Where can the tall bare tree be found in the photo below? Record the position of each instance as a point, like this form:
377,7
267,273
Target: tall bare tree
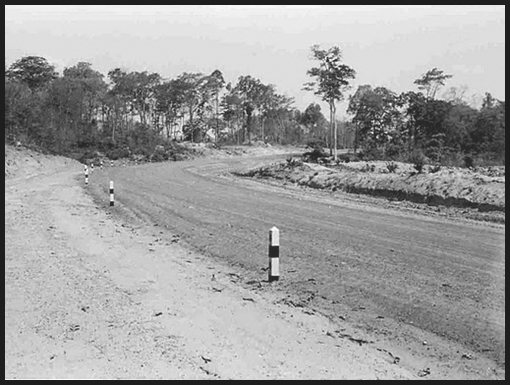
218,82
331,80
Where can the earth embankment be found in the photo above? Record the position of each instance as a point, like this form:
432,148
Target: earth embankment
482,189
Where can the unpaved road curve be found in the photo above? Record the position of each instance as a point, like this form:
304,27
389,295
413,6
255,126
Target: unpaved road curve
429,290
88,296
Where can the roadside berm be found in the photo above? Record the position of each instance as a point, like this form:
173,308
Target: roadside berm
480,188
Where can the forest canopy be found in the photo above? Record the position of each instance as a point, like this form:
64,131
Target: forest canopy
82,110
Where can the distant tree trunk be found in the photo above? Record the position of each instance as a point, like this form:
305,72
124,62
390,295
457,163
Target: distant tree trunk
248,126
102,115
191,122
333,108
167,126
263,139
355,137
330,134
113,130
217,119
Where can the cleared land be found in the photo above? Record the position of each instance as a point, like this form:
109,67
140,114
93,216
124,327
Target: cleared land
478,192
404,277
424,293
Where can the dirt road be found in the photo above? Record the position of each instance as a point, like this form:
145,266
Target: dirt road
89,296
428,290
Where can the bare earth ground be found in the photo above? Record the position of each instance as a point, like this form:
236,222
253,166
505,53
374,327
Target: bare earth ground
86,298
477,194
82,301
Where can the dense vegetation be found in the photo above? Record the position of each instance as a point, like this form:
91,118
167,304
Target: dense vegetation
126,113
416,127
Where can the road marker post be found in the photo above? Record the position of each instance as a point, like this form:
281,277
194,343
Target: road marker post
111,163
274,254
91,168
111,193
86,175
101,164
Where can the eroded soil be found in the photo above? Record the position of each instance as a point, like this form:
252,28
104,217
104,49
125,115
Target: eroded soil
471,193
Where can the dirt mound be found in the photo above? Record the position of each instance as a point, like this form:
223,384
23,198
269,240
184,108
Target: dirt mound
21,162
483,189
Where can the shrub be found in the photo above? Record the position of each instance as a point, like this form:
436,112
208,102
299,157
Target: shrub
144,152
418,166
158,157
417,159
393,151
315,144
118,153
291,162
368,167
314,155
346,158
468,161
87,156
391,166
434,153
107,144
176,151
452,159
372,153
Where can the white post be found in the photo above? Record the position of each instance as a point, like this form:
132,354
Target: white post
274,254
111,163
86,175
91,168
111,193
101,164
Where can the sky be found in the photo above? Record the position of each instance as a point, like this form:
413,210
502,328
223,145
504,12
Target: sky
387,46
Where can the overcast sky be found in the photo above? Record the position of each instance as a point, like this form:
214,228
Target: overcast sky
388,46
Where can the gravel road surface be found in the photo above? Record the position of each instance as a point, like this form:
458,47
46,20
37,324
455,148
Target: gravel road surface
89,296
171,282
429,290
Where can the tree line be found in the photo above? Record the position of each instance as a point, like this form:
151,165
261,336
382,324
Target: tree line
388,125
411,126
82,108
134,111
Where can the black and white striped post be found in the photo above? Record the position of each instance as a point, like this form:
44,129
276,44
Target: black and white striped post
91,168
111,163
111,193
274,254
101,164
86,175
